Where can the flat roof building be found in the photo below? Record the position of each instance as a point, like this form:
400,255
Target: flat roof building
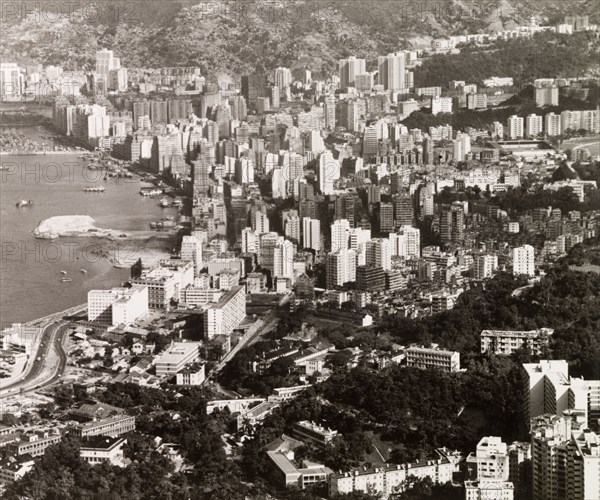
510,341
433,359
176,357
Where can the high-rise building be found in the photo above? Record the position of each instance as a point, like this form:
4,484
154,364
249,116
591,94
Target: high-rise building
565,458
371,142
329,172
329,111
428,158
534,125
158,112
370,278
261,222
546,96
452,223
283,80
392,71
515,127
441,105
406,242
386,217
524,260
311,233
552,124
484,266
191,249
348,69
378,253
404,209
340,234
340,268
254,86
291,225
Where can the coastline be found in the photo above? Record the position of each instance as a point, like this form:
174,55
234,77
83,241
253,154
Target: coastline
120,248
42,153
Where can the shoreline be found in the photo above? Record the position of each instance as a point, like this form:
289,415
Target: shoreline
43,153
119,247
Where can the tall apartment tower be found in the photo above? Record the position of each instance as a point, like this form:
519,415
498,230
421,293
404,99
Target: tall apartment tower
565,458
348,69
524,260
452,220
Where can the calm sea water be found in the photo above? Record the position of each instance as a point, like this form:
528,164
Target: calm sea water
30,268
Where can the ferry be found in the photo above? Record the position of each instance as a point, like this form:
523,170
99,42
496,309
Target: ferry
95,189
24,203
151,192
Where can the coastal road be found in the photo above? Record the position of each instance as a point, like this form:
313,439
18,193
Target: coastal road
47,364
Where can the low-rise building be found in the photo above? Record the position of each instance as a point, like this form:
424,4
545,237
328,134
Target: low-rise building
14,468
433,359
489,490
176,357
510,341
289,474
390,479
191,375
310,432
101,449
111,426
34,443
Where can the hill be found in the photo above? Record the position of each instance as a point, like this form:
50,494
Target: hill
235,37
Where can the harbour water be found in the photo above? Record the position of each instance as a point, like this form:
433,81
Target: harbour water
30,268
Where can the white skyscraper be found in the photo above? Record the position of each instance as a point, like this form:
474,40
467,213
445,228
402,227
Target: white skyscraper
278,183
524,260
250,241
552,124
378,253
406,243
484,266
392,71
515,127
191,249
329,172
311,233
340,234
261,222
348,69
291,225
534,125
283,259
340,268
359,238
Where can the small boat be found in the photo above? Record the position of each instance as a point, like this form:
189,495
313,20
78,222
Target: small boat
66,280
83,271
24,203
164,203
63,272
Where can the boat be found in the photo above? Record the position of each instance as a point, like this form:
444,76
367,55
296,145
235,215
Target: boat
83,271
66,280
63,272
94,189
24,203
164,203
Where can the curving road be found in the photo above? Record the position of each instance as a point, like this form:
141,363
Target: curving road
47,366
